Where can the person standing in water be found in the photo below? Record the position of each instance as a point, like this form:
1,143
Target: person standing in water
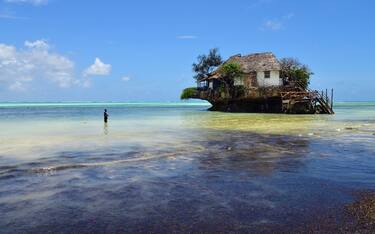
105,116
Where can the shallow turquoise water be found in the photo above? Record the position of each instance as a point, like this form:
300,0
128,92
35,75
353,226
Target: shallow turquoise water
175,166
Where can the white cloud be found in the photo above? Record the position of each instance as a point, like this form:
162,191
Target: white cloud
38,44
187,37
20,67
273,24
33,2
277,24
125,78
98,69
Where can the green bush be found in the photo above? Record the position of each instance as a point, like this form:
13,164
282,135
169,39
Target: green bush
231,70
302,76
188,93
292,70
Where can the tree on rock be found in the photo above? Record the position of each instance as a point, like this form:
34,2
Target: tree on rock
207,63
293,70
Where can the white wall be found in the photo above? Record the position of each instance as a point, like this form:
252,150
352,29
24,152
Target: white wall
274,80
239,81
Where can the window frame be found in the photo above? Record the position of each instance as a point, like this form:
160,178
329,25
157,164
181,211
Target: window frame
239,81
267,74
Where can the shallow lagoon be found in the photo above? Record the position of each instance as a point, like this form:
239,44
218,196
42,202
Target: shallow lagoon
176,167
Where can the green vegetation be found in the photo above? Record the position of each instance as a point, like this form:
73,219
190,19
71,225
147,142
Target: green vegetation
188,93
294,71
302,76
207,63
228,73
231,70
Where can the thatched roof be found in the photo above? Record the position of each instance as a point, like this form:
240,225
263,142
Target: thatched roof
253,62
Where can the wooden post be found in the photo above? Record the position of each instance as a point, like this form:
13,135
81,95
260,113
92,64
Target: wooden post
331,98
327,96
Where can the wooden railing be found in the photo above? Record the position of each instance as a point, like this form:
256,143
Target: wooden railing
322,98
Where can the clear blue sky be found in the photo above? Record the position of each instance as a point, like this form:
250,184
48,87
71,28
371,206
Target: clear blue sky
144,49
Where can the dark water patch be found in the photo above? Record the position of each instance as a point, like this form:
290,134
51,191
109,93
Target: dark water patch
12,172
215,181
8,176
258,154
72,154
6,168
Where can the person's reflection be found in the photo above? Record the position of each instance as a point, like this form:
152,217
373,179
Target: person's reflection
105,128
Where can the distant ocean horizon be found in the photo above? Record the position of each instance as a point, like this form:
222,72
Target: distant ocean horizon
100,103
150,103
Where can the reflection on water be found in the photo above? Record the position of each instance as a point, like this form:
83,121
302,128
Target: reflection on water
105,128
180,168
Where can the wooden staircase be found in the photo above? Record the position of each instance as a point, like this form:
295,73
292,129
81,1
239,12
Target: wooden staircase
311,100
324,102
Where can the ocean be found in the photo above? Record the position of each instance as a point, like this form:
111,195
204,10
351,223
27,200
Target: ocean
176,167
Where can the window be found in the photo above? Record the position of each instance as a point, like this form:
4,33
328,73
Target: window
203,85
238,81
267,74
